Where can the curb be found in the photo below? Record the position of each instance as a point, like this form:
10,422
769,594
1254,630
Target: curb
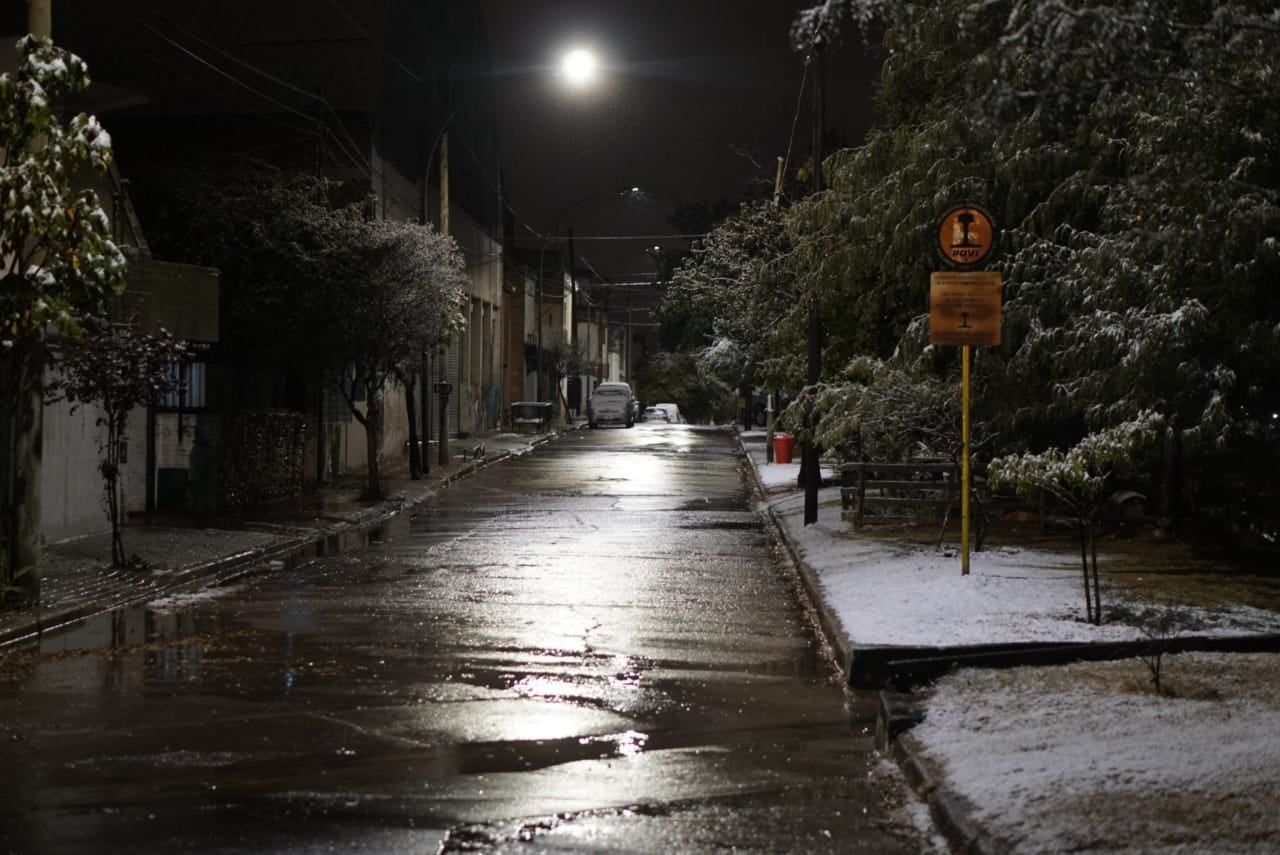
952,815
834,635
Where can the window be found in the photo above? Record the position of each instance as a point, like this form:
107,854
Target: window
193,396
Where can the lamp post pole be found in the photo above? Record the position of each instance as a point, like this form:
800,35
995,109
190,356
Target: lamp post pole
809,466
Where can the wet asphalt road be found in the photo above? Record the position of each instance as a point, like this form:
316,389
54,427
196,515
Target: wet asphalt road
588,648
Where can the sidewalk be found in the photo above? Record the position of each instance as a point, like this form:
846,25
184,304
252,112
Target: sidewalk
1052,737
77,580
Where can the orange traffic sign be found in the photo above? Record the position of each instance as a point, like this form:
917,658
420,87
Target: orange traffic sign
964,308
966,235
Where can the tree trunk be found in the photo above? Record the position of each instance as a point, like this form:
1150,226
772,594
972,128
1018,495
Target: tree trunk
1171,488
1097,585
415,451
373,487
111,483
113,509
1084,567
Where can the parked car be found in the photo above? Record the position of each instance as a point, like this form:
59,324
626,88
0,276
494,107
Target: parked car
611,403
673,413
655,414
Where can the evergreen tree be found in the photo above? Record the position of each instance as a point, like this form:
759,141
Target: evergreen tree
1129,148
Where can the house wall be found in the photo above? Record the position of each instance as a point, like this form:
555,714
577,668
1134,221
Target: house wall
70,484
477,383
513,353
395,422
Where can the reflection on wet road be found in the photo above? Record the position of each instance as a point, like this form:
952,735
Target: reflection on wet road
585,648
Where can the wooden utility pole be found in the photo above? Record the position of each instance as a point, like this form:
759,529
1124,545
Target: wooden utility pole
771,399
809,467
443,387
26,421
40,17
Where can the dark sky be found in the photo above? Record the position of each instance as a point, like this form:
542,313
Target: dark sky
697,100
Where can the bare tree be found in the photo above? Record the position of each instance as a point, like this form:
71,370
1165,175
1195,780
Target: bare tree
119,368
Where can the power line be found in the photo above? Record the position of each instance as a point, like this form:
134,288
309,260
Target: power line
795,121
635,237
394,59
354,152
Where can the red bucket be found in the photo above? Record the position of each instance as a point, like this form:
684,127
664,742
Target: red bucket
782,445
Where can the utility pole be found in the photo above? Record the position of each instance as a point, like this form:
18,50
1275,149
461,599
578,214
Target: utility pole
771,397
537,323
809,467
40,17
442,388
25,424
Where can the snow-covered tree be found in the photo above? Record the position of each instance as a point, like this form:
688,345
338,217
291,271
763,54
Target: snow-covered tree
282,244
118,368
57,262
730,293
1130,150
310,283
407,300
1078,478
883,411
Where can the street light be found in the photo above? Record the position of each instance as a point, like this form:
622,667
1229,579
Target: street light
578,67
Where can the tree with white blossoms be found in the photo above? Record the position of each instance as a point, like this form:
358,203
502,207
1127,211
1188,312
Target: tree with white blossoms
1078,478
58,265
118,368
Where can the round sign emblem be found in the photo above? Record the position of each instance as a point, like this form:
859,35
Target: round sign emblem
966,235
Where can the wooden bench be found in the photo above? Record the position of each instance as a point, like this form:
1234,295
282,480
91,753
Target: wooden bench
901,491
897,490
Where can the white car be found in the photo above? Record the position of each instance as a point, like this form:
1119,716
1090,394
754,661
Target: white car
655,414
672,411
611,403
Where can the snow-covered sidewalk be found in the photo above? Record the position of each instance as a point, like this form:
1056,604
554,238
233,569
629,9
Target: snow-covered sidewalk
1078,757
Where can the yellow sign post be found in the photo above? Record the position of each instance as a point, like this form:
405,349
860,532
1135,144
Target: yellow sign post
964,310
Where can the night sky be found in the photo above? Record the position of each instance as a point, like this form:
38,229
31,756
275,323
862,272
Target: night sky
697,100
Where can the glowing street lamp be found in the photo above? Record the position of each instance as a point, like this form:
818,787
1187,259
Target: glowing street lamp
579,67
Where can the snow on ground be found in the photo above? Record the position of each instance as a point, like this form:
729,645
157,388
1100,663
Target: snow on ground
1085,757
1067,758
887,593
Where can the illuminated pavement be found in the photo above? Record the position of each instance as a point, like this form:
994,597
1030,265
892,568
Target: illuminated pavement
585,648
